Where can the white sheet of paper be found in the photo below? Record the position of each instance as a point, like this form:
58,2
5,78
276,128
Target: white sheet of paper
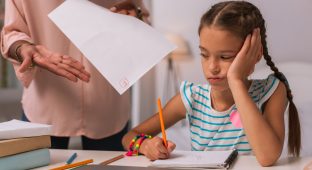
121,47
196,159
16,129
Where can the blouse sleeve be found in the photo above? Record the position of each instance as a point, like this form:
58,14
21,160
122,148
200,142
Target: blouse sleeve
15,28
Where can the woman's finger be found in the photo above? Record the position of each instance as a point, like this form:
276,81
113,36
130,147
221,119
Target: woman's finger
50,66
74,71
72,62
75,65
61,65
61,72
26,64
132,13
123,11
124,5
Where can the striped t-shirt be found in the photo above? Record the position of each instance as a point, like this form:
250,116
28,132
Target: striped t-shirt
213,130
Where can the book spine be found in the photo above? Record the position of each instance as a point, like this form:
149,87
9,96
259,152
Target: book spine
15,146
26,160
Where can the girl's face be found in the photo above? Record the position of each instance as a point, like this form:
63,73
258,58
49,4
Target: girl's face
218,49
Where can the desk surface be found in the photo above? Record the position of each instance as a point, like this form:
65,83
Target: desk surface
59,157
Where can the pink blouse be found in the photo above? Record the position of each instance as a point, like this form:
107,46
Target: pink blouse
93,109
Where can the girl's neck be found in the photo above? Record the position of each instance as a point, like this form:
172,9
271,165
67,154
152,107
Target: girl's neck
223,100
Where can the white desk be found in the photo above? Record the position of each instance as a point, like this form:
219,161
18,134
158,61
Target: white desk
59,157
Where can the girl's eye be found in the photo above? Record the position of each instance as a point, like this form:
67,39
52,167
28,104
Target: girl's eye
204,55
226,57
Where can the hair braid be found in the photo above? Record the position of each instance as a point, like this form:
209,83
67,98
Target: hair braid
294,139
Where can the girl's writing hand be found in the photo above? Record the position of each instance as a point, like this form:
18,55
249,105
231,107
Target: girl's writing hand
155,149
58,64
246,59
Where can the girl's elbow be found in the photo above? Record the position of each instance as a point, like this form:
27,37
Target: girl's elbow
266,162
268,159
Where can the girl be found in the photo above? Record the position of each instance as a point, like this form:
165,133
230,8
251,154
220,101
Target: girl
230,111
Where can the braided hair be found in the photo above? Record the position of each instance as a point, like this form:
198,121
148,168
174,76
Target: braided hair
240,18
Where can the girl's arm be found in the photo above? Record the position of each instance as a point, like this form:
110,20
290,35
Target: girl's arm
154,148
265,131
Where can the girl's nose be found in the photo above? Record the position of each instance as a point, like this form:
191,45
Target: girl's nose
214,66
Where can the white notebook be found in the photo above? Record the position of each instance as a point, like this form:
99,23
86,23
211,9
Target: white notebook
198,159
16,129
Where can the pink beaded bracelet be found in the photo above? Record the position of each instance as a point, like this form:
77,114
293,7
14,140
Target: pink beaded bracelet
134,147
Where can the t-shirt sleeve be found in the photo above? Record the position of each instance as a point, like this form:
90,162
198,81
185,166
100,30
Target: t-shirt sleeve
186,95
270,86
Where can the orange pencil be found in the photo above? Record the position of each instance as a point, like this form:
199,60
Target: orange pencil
76,164
162,123
116,158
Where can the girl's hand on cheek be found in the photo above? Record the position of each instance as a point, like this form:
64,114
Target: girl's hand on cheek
246,59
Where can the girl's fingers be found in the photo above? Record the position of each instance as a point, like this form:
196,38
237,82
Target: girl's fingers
157,154
246,46
163,156
171,146
255,43
158,149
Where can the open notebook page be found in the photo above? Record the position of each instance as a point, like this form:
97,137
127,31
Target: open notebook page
199,159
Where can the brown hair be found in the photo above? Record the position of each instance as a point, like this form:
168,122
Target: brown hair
240,18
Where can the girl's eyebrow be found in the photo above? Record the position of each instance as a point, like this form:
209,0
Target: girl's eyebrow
227,51
202,48
222,51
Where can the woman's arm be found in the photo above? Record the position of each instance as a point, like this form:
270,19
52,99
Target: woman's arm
172,112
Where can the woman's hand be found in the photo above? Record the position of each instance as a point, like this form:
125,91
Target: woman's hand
155,149
126,7
58,64
246,59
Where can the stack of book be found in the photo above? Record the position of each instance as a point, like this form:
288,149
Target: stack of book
24,145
